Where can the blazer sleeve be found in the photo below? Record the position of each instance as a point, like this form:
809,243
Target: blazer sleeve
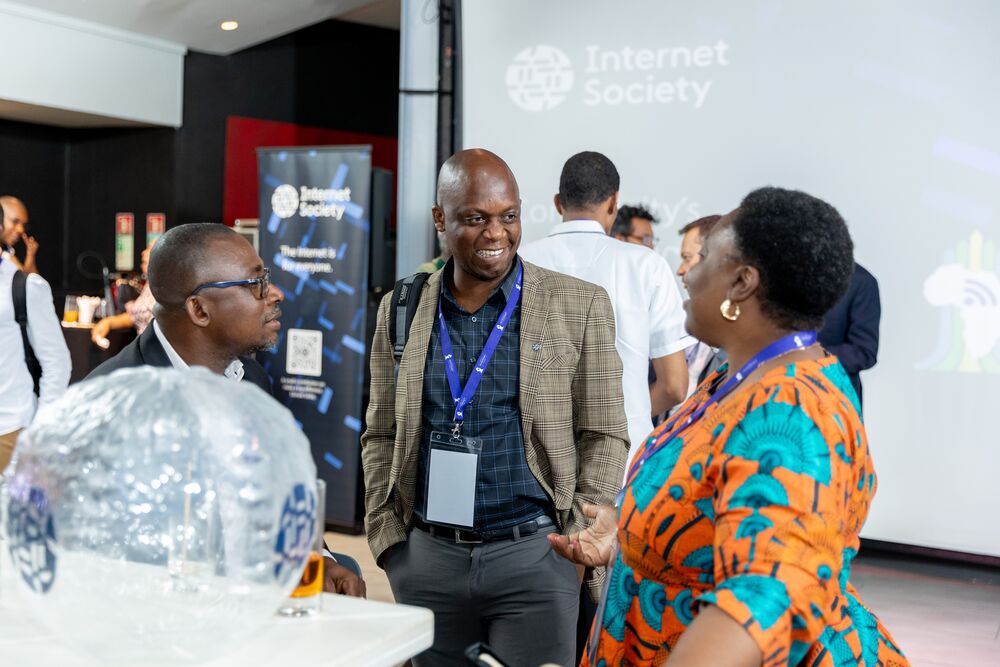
382,525
859,351
599,412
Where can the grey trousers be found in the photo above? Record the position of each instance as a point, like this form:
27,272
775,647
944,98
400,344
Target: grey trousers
518,596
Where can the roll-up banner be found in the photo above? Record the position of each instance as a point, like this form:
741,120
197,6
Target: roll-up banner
314,234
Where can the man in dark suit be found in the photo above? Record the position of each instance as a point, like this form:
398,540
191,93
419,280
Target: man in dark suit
850,329
215,306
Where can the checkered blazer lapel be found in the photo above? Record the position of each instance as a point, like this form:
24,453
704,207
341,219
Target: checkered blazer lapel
534,315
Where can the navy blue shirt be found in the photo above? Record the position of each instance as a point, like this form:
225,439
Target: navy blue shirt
507,492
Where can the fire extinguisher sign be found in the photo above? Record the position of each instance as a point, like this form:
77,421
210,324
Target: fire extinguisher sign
156,224
124,242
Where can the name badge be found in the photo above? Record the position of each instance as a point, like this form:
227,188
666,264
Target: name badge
452,470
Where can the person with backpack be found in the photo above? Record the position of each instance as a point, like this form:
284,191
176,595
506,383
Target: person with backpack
15,230
499,420
34,359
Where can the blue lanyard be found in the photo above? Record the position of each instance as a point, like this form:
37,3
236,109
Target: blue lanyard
798,340
463,396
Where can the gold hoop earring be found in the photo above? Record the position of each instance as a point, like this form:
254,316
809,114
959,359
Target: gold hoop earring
729,310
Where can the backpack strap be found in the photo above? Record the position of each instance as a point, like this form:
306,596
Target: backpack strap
405,299
19,287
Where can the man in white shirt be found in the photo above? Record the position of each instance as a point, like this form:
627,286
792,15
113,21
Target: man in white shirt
702,359
15,223
17,388
649,316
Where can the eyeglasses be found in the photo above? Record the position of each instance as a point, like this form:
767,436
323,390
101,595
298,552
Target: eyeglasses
258,286
644,240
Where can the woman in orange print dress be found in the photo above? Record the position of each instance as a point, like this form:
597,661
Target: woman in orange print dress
733,539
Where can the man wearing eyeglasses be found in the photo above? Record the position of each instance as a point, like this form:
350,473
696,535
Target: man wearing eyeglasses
215,306
634,224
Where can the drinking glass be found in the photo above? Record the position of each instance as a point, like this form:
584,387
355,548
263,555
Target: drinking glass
71,311
194,539
307,598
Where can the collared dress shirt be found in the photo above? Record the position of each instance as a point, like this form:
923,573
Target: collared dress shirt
234,371
649,312
17,395
507,492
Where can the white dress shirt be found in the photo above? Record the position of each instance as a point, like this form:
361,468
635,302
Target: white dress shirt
649,313
698,358
17,395
234,371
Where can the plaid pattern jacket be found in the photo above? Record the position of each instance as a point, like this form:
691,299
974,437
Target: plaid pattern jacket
572,413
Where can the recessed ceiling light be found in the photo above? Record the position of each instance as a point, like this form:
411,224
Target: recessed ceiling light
229,25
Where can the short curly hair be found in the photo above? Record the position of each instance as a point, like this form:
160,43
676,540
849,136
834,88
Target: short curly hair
623,221
587,179
802,249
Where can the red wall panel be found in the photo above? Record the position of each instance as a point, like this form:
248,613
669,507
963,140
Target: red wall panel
245,135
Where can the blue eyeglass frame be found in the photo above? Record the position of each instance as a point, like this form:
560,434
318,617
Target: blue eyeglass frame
264,281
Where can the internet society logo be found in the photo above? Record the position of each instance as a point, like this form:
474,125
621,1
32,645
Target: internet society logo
539,78
285,201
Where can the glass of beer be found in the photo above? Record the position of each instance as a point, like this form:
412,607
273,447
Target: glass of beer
71,311
307,598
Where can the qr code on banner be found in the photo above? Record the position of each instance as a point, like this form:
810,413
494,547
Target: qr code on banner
305,352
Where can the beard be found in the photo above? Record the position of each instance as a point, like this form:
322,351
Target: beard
268,340
262,346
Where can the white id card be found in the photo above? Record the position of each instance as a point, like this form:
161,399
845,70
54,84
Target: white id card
451,480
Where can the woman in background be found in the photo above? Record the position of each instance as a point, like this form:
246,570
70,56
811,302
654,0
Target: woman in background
733,539
138,313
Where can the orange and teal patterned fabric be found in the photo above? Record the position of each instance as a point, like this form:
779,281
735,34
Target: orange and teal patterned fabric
756,509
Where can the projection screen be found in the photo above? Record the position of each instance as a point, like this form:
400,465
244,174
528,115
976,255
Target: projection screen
887,110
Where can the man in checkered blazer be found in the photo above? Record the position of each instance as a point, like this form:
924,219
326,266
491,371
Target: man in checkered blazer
548,416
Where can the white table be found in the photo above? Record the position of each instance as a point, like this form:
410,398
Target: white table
349,631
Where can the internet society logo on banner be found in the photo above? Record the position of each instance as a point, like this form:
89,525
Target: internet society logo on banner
539,78
308,202
285,201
